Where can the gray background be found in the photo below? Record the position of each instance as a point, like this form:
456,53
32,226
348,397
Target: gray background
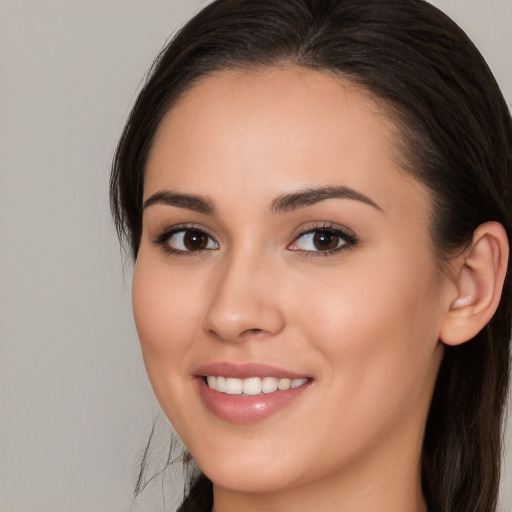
76,406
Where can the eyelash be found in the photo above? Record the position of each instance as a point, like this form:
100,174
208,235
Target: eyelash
162,240
349,240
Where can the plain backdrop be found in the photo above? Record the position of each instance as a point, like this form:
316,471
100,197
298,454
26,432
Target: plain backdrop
76,406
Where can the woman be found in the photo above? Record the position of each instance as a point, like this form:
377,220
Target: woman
317,197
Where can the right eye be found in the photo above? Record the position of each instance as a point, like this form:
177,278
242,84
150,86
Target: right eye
186,240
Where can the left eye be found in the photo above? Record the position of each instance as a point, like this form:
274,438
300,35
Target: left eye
186,240
320,240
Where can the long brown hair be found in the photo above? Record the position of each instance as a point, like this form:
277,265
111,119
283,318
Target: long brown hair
456,138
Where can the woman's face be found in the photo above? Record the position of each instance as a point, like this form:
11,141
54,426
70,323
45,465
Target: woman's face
283,244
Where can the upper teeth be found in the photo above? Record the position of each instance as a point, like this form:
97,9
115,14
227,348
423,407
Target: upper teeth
252,385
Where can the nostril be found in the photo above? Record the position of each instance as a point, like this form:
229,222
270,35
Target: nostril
252,332
247,333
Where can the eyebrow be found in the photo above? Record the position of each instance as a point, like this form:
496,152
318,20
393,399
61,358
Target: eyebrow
308,197
282,204
195,203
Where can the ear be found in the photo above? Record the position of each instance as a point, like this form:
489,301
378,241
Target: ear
478,275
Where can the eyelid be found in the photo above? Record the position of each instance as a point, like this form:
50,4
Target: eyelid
162,237
349,237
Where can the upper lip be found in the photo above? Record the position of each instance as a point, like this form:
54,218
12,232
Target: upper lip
246,370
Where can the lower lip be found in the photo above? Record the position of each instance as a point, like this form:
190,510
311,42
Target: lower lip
247,409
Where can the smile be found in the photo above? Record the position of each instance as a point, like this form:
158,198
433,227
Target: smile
253,385
249,392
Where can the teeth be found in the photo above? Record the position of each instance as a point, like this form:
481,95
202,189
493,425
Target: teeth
221,384
269,385
234,386
253,385
284,384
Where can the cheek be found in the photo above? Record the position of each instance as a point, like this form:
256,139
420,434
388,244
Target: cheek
377,324
378,336
165,301
166,314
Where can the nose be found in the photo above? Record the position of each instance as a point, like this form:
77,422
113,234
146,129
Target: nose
244,301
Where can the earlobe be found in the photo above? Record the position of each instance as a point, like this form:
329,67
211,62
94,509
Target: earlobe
479,274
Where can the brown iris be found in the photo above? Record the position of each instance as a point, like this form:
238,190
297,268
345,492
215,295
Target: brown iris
325,240
195,240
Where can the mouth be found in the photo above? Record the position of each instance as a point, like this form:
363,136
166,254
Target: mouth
252,386
249,392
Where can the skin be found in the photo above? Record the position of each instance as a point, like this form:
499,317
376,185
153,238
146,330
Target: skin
363,323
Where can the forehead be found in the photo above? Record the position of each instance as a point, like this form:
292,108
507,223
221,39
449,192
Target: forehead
283,127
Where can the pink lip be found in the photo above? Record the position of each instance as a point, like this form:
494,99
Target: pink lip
246,370
246,409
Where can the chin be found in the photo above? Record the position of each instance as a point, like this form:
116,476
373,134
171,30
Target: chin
251,481
247,474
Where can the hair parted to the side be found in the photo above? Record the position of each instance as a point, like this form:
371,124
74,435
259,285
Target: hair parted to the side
456,138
